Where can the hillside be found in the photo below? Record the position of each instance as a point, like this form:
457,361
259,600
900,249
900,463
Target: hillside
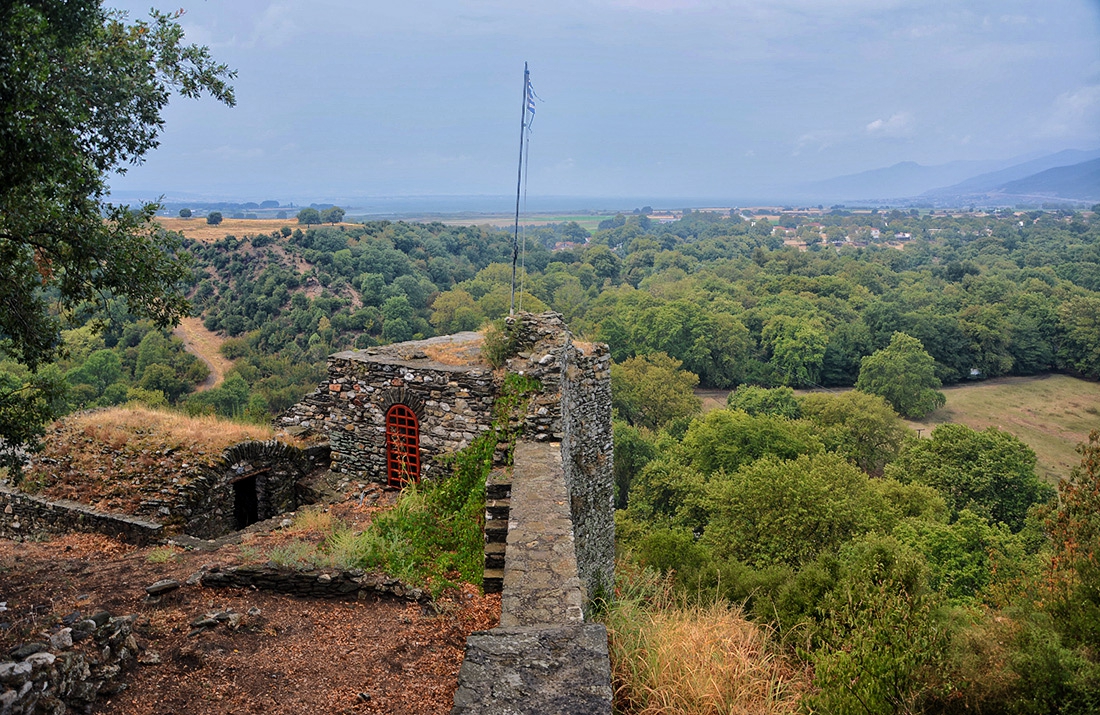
1079,181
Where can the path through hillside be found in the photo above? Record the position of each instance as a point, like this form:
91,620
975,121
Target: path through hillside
204,345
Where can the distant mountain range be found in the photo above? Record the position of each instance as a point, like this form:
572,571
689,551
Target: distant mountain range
1070,175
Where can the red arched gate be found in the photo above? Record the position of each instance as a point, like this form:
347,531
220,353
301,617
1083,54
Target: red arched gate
402,446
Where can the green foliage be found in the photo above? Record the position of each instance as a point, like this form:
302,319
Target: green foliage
861,427
309,217
1079,321
651,390
788,511
989,472
634,449
501,342
882,645
727,440
1075,565
332,215
778,401
904,374
214,218
82,94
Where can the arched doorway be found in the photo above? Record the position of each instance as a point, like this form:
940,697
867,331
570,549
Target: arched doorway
402,446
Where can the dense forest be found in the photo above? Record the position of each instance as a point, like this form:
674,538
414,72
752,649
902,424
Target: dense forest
730,298
934,575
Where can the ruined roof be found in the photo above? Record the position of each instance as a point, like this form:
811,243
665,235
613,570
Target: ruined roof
457,352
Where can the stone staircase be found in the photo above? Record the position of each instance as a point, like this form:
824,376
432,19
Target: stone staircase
498,498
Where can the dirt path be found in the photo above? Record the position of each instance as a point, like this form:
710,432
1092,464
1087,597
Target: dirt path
204,345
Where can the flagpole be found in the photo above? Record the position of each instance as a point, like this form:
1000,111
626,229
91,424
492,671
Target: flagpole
519,179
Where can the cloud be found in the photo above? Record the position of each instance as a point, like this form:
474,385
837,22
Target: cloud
818,139
275,26
1075,113
899,125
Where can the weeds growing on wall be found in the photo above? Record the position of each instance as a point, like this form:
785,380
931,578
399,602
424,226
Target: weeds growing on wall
501,342
433,537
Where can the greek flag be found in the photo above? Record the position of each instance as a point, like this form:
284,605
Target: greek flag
531,97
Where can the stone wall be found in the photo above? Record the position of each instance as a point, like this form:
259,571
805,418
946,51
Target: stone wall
574,409
207,502
54,678
543,658
24,516
313,583
453,403
588,460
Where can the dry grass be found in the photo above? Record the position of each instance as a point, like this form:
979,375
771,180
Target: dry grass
206,346
675,659
118,426
1052,414
457,353
197,229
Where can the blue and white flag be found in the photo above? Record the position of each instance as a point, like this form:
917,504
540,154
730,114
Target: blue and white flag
531,97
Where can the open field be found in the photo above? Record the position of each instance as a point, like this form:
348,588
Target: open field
1051,413
198,230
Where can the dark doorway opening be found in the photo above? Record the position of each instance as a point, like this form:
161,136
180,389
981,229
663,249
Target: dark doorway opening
246,503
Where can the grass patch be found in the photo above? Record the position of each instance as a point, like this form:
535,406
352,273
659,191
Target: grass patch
163,555
118,426
1052,414
672,657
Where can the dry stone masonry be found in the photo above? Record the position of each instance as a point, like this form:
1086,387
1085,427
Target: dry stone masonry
550,531
452,402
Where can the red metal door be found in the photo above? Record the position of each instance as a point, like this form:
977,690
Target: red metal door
402,446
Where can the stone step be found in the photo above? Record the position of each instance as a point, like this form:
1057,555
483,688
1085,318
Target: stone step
493,581
494,561
495,548
498,491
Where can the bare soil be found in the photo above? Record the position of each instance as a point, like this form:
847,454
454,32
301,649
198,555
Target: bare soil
286,656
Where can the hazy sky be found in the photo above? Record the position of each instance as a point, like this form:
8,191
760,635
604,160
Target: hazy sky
670,98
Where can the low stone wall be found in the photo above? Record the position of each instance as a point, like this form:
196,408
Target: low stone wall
320,583
53,677
24,516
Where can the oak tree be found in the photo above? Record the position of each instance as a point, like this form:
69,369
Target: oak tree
81,98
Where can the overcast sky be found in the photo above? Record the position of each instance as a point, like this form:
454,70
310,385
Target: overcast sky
663,98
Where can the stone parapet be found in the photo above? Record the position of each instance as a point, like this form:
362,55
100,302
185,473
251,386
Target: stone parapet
546,670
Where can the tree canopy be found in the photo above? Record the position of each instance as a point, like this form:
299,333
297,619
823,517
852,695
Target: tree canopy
904,374
81,97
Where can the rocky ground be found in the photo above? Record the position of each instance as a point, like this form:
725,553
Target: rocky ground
259,652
